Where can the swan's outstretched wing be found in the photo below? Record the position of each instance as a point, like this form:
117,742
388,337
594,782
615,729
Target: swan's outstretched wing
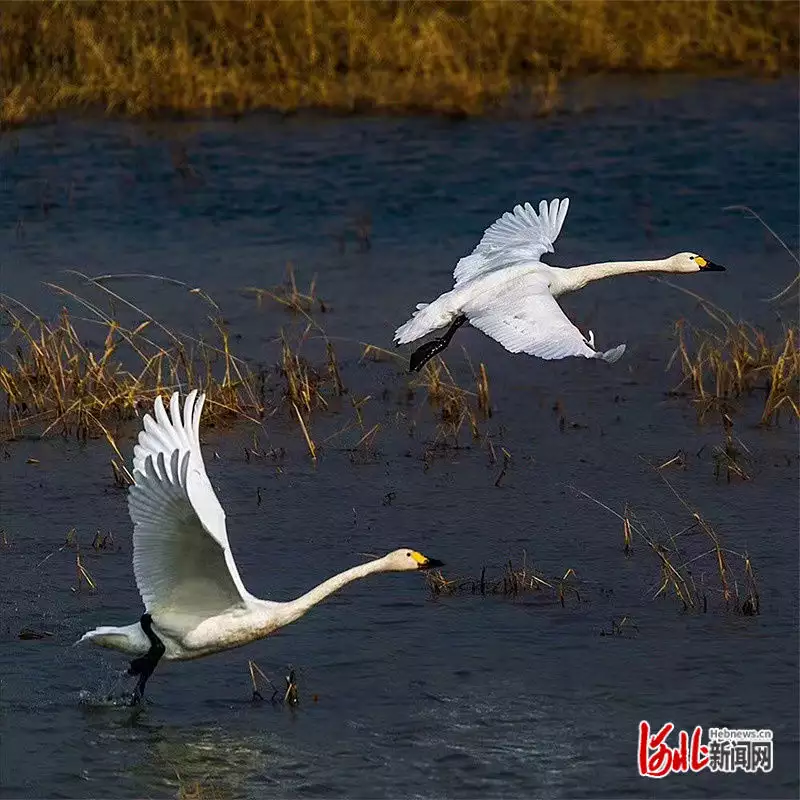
525,318
182,561
521,235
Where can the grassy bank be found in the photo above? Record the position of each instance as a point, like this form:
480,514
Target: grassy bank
148,57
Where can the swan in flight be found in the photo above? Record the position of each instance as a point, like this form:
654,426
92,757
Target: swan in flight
195,601
503,289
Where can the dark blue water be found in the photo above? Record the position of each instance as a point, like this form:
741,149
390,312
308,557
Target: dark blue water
453,697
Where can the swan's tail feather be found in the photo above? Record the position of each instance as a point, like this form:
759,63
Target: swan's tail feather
614,354
427,318
127,638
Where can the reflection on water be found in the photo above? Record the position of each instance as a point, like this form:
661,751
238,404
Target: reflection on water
468,696
233,763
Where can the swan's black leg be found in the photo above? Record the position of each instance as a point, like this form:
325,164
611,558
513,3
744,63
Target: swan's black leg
144,665
422,355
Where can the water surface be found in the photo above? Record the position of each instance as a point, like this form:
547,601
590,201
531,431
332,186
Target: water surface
467,696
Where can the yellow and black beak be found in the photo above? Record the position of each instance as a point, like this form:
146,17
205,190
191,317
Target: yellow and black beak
708,266
426,563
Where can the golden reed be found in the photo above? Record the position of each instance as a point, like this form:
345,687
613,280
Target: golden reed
446,57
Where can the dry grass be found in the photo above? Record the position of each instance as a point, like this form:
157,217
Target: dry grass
732,456
372,352
455,406
84,375
694,566
309,387
312,384
484,395
258,678
304,382
289,297
83,579
103,360
483,392
732,359
147,57
357,437
515,581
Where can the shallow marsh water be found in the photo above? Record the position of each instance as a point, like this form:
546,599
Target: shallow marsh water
415,697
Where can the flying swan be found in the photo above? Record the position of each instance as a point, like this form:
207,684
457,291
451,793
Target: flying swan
503,289
195,601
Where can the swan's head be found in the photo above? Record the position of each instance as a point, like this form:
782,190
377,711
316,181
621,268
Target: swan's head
408,560
692,262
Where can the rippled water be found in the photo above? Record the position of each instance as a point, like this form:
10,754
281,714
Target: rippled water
402,695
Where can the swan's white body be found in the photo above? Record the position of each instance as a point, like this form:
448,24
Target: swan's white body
182,560
508,293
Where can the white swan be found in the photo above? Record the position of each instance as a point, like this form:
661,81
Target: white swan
503,289
195,601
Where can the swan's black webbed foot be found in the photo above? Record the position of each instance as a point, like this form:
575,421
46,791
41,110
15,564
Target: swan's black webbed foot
146,664
422,355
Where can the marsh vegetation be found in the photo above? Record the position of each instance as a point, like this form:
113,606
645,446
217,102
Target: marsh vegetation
144,58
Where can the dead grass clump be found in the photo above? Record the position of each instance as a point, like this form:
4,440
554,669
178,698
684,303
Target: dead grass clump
82,376
358,436
303,381
483,394
310,387
484,397
371,352
492,453
506,463
732,456
735,359
289,297
458,58
694,566
122,476
364,450
334,373
259,678
83,580
454,405
513,581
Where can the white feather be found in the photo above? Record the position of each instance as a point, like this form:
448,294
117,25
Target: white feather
525,318
182,560
128,638
521,235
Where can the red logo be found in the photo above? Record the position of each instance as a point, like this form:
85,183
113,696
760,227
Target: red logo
658,759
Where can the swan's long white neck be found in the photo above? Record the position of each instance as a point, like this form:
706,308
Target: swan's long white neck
295,609
578,277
